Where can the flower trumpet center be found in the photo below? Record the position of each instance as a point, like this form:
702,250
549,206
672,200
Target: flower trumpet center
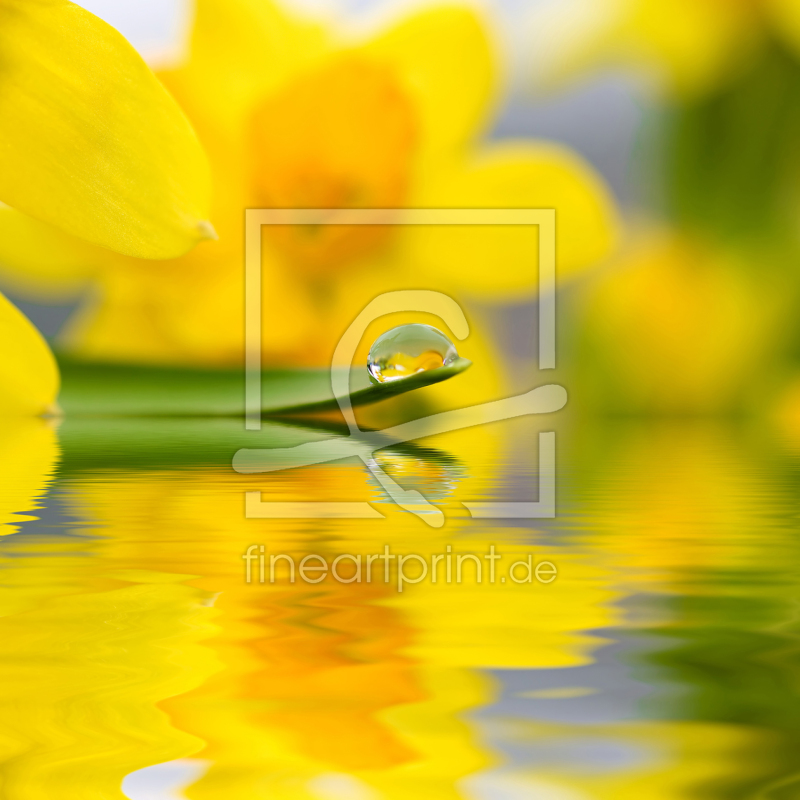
340,137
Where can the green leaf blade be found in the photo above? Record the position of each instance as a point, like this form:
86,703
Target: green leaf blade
121,390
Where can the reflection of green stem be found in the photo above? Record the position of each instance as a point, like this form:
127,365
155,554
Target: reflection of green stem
541,400
734,656
409,500
175,442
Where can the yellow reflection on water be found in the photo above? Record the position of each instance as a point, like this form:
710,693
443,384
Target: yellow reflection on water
28,456
83,668
130,636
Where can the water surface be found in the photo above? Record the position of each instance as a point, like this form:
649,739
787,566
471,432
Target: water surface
137,660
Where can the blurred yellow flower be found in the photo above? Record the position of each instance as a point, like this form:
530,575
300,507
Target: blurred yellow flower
91,143
678,326
293,115
687,46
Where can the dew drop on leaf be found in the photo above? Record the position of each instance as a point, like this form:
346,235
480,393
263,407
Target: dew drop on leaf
408,349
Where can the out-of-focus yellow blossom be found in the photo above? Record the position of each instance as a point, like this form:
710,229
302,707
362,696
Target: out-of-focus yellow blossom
677,327
786,411
688,46
29,378
295,116
91,144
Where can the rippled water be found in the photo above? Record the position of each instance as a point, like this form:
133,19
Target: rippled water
138,661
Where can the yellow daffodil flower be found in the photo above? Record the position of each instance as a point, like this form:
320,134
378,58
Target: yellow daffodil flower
90,142
687,46
94,152
293,115
679,326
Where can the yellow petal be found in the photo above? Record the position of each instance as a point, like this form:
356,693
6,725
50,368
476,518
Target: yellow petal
496,260
443,56
89,140
239,51
38,259
29,379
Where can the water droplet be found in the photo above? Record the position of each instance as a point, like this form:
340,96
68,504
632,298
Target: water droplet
408,349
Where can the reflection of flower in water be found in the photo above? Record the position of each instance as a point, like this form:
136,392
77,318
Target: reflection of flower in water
298,689
670,760
28,457
342,679
324,690
435,475
673,502
84,662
